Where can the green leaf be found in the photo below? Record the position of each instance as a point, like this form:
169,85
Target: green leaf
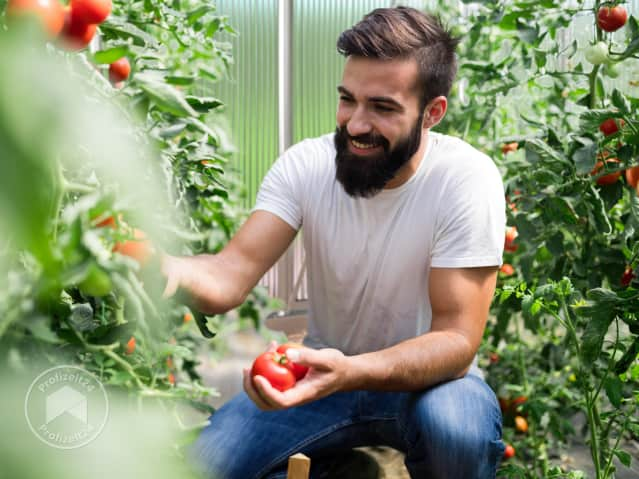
203,104
593,336
584,158
623,456
620,102
613,387
110,55
179,80
165,96
628,358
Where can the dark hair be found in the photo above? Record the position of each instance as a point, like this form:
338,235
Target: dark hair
404,33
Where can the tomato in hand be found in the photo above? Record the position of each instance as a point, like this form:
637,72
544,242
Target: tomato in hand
298,370
91,11
610,19
271,365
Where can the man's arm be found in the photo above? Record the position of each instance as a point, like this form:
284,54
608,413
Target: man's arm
460,300
220,282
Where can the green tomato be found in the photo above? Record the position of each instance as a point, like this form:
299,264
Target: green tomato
597,53
96,283
611,70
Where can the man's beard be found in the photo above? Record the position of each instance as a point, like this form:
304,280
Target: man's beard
366,176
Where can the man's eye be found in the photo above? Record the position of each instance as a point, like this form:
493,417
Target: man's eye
383,108
346,99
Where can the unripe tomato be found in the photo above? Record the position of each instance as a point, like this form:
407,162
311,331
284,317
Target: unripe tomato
606,179
509,451
119,70
610,19
271,366
139,248
50,13
521,424
298,370
76,34
597,53
91,11
96,282
632,176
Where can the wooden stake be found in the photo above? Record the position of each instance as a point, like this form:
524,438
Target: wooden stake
299,466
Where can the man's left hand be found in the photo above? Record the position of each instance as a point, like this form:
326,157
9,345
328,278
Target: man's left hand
328,373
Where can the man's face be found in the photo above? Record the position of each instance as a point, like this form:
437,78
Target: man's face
379,124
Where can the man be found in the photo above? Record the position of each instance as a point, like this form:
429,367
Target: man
403,232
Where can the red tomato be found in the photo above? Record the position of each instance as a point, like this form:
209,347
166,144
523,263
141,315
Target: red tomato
509,451
271,366
171,379
91,11
130,345
50,13
504,404
509,147
610,126
606,179
632,176
108,222
76,34
627,277
119,70
610,19
507,269
521,424
188,317
518,401
140,248
494,358
298,370
509,242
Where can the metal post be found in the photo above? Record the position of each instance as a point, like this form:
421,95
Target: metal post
285,124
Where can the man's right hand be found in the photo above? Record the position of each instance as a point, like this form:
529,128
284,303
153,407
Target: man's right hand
217,283
196,278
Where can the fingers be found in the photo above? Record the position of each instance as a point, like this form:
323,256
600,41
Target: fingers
252,392
172,281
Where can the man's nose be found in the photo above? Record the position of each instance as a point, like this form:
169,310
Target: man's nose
358,123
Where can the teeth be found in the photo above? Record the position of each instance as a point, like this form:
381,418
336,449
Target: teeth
363,146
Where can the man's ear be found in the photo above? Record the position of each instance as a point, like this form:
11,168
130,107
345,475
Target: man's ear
435,111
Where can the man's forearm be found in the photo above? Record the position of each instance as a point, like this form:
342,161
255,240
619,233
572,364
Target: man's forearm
412,365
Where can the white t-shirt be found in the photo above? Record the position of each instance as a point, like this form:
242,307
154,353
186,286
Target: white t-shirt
369,259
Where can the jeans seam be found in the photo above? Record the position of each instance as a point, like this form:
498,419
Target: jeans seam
300,445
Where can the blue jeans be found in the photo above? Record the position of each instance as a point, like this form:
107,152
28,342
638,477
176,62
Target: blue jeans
452,430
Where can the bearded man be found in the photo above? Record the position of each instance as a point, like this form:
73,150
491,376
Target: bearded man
403,232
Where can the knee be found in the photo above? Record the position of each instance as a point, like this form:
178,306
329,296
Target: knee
462,414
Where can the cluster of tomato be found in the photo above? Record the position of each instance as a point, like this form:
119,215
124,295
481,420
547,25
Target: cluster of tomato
74,25
278,369
609,19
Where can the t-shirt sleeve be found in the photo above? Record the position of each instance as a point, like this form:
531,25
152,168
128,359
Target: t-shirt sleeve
281,188
471,220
